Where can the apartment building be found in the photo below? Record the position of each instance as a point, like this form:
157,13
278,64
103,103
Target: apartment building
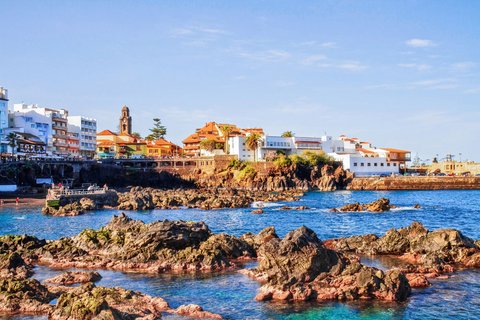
86,130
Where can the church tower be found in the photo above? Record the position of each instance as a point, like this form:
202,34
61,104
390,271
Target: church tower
125,121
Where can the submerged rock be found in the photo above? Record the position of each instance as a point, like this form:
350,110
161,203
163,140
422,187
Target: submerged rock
300,267
72,277
195,311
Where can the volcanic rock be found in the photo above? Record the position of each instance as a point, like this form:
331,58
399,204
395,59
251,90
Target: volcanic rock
23,296
195,311
70,209
380,205
91,302
300,267
72,277
430,252
12,266
126,244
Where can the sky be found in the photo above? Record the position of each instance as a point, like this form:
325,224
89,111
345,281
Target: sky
402,74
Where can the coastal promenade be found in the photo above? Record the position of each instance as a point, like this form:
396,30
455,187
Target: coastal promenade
415,183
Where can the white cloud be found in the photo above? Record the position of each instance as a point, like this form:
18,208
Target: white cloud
417,66
197,36
314,59
420,43
443,83
195,31
329,45
322,61
267,55
313,43
354,66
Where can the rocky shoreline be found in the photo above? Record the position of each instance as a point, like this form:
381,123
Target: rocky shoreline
299,267
149,198
416,251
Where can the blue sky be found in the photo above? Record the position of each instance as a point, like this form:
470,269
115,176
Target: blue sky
400,74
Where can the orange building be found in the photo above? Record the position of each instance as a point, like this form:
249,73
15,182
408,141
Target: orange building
163,148
111,144
212,131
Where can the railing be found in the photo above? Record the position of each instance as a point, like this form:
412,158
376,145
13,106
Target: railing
57,192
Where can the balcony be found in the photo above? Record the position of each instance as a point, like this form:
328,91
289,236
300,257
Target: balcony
58,126
60,136
60,144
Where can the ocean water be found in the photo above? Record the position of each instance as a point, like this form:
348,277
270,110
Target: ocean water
232,294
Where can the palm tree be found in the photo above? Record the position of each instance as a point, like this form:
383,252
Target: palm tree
208,144
226,130
288,134
12,141
252,142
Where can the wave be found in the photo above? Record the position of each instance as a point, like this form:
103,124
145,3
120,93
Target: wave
20,218
261,204
406,208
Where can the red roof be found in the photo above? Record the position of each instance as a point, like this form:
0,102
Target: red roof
106,133
365,150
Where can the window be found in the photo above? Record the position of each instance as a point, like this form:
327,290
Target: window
362,164
394,164
354,164
388,164
381,164
375,164
369,164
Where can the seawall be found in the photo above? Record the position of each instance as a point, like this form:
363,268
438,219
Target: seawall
415,183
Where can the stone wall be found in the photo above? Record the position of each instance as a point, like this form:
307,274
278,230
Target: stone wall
415,183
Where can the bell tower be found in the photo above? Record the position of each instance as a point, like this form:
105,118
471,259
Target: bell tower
125,121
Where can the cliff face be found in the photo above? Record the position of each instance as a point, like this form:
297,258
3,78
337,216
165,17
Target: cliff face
324,178
415,183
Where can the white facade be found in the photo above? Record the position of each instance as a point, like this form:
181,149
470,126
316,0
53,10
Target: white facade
3,118
359,157
237,147
366,166
86,128
57,143
33,123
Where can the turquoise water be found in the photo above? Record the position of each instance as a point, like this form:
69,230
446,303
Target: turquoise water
232,294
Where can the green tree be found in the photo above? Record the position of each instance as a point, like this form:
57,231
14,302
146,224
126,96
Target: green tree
137,135
226,130
158,131
252,142
208,144
12,139
288,134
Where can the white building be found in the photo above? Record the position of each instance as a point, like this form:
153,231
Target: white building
269,146
86,128
3,119
359,157
57,140
33,123
365,165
